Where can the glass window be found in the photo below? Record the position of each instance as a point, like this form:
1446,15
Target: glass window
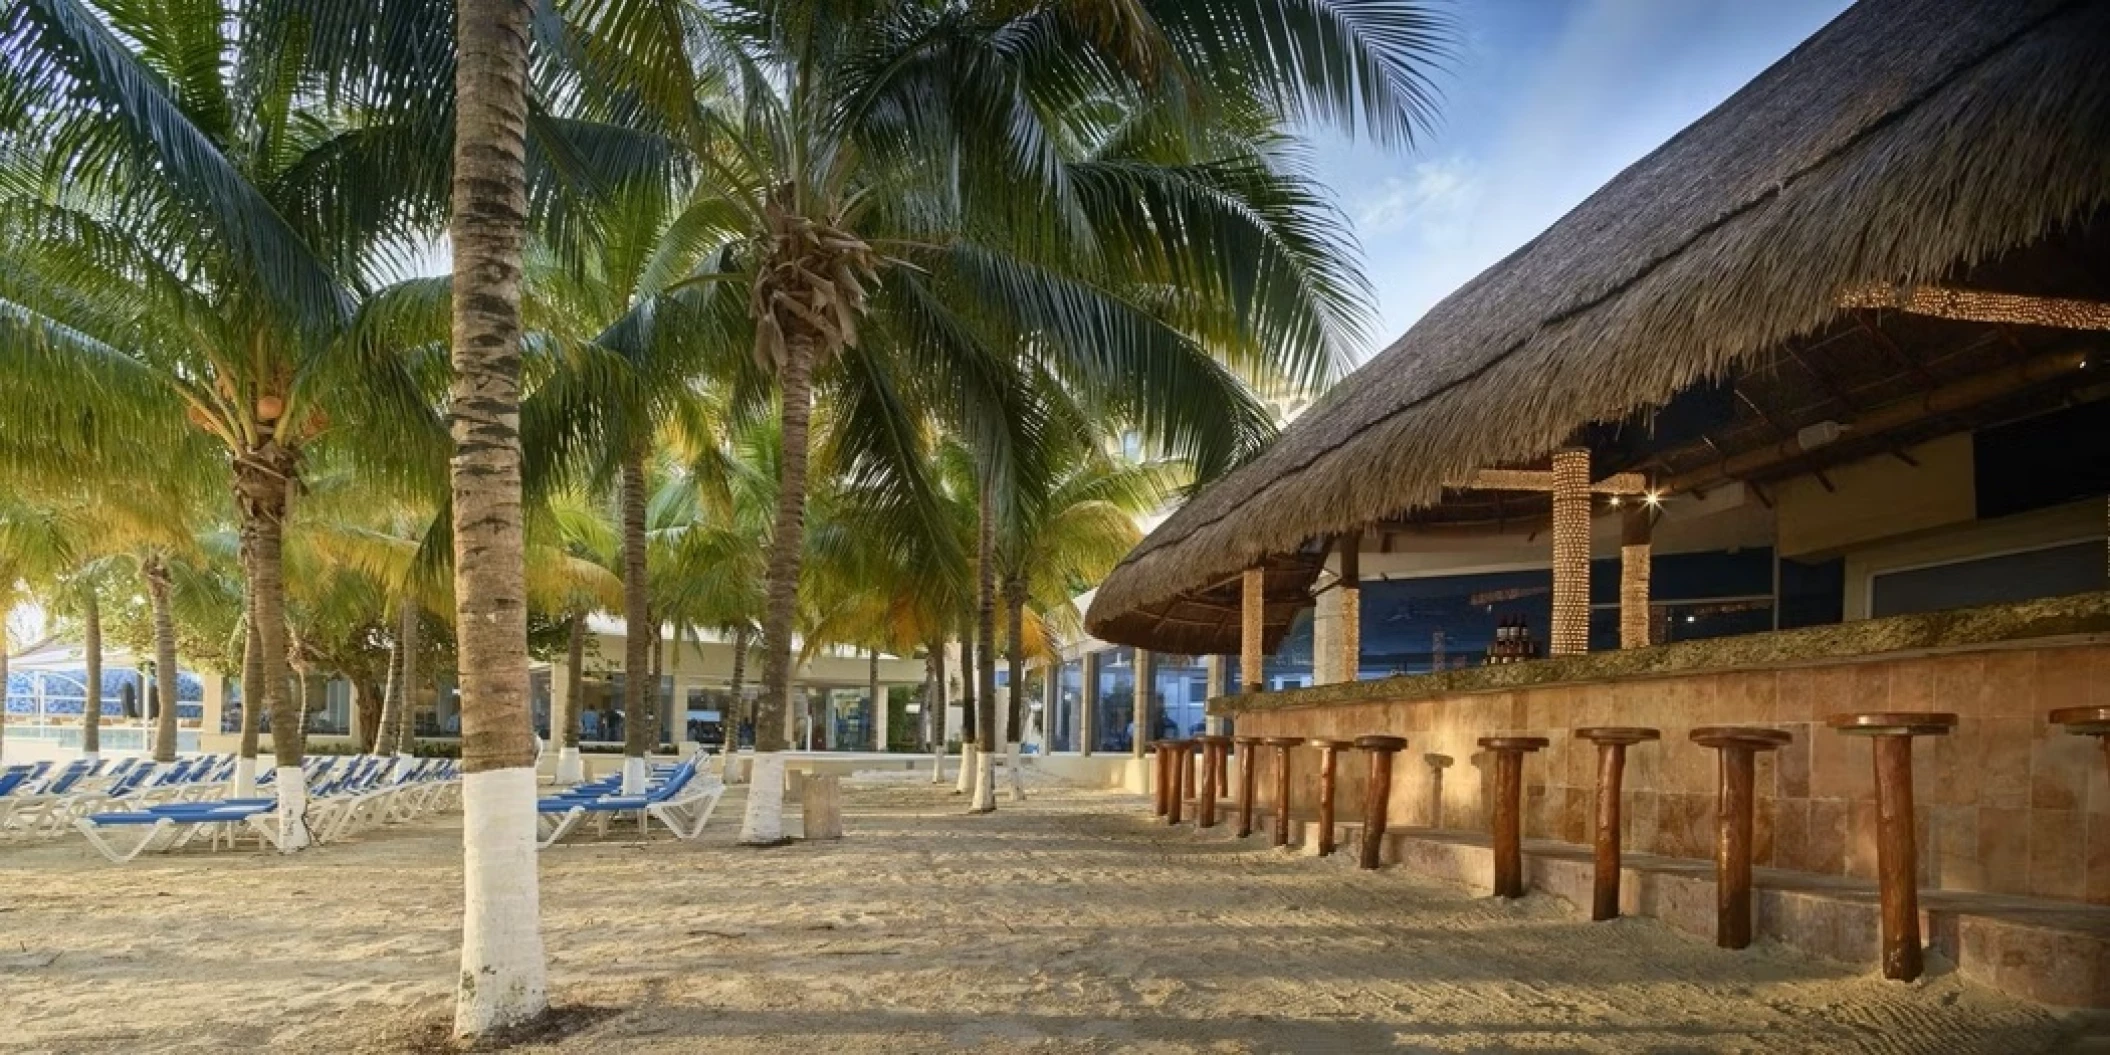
1115,719
2048,572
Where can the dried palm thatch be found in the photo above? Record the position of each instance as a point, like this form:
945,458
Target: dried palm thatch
1904,141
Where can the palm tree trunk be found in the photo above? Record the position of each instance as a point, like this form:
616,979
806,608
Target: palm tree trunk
252,710
569,768
262,478
6,643
391,693
1015,654
92,652
640,636
878,702
503,977
166,677
736,708
406,742
764,822
985,658
969,712
935,705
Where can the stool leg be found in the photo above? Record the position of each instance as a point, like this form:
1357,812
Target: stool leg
1186,773
1205,810
1897,858
1172,787
1509,849
1282,796
1732,851
1604,894
1375,799
1327,761
1158,804
1246,776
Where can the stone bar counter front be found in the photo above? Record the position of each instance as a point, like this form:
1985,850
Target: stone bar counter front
2008,803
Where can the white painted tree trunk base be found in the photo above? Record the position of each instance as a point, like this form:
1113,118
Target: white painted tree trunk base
503,976
965,783
91,757
244,778
984,782
634,775
571,769
764,822
937,767
292,787
1017,770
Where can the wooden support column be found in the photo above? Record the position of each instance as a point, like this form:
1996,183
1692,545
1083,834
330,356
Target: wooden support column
1248,772
1140,716
1897,853
1509,752
1351,617
1634,551
1733,823
1252,614
1612,743
1329,759
1377,794
1571,552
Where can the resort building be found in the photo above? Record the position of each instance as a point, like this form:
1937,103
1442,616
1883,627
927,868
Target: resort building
1800,419
832,699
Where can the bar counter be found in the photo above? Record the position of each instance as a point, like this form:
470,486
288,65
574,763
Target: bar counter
2009,803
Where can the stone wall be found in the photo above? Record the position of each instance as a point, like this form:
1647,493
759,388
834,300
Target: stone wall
2007,803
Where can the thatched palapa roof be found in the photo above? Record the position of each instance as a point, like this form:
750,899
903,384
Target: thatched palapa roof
1906,142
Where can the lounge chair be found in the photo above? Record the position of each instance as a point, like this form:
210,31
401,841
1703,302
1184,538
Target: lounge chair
170,826
680,792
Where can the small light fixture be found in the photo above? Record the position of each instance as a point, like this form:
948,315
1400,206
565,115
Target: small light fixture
1653,498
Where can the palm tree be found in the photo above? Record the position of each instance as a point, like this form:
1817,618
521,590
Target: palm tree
918,186
503,979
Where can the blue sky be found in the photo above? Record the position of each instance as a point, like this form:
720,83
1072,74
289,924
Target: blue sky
1543,102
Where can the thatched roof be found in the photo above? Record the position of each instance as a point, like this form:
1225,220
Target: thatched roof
1905,142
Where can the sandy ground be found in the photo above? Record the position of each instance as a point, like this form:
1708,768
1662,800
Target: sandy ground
1069,924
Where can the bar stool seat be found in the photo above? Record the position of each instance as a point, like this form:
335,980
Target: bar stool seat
1213,747
1377,794
1897,852
1282,745
1612,742
1509,752
2083,721
1738,745
1329,756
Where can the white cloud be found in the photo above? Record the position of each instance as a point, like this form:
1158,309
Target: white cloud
1434,196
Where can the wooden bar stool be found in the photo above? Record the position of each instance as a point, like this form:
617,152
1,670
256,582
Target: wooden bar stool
1738,745
1282,744
1177,751
1897,855
1437,764
1213,748
1378,793
1509,752
1161,801
2086,721
1329,757
1248,749
1612,742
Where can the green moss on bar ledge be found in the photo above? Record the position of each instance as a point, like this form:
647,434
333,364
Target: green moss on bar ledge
1991,626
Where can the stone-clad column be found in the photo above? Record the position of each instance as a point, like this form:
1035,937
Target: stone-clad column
1349,630
1571,552
1252,614
1634,551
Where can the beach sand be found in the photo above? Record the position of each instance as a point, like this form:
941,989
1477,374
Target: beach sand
1067,924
